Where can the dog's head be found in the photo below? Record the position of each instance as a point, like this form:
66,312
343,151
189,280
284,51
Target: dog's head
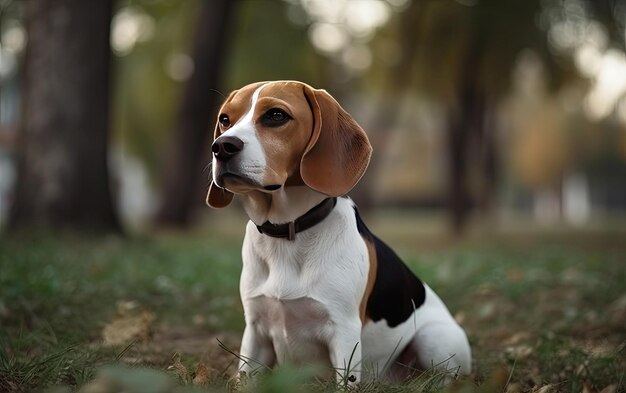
271,135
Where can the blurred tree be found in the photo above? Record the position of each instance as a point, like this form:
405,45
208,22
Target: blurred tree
461,54
144,91
198,105
63,178
394,80
469,69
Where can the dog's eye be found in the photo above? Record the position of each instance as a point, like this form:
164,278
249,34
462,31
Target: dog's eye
224,120
275,118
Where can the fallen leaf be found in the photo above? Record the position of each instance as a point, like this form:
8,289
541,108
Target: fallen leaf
131,323
617,310
519,351
4,310
581,370
549,388
203,375
127,307
517,338
487,309
198,320
609,389
513,388
496,380
460,317
180,368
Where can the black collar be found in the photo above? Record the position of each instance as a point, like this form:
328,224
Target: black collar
302,223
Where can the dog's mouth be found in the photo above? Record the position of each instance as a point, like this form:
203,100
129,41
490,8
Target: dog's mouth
230,180
237,183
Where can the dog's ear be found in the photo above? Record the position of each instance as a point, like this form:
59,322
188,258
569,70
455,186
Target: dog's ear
338,152
218,197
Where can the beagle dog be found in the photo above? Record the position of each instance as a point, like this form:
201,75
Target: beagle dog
316,285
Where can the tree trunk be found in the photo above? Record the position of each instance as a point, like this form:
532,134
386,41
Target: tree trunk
488,160
185,179
463,131
63,177
398,80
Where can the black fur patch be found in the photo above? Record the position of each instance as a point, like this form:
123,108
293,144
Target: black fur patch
397,290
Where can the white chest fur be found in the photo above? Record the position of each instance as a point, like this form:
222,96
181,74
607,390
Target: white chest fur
299,294
328,259
298,328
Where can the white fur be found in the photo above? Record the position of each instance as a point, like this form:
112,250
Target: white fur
327,264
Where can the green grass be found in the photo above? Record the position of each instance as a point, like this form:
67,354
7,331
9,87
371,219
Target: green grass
539,310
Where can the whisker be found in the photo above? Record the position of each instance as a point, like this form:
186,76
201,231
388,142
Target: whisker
218,92
207,168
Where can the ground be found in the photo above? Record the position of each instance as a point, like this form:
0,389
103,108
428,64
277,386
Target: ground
544,310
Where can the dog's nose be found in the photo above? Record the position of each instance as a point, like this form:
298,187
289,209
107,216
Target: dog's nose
226,147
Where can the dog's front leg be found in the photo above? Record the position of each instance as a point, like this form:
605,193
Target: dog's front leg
345,352
256,353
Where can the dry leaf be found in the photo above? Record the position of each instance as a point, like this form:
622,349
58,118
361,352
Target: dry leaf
4,310
517,338
617,310
460,317
519,351
180,368
513,388
549,388
127,307
609,389
497,380
581,370
128,327
203,375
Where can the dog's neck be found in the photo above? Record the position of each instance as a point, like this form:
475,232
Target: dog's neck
281,206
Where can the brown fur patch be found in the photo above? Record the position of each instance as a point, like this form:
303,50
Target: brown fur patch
284,145
371,279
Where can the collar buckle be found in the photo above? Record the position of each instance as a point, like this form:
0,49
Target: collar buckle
292,231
